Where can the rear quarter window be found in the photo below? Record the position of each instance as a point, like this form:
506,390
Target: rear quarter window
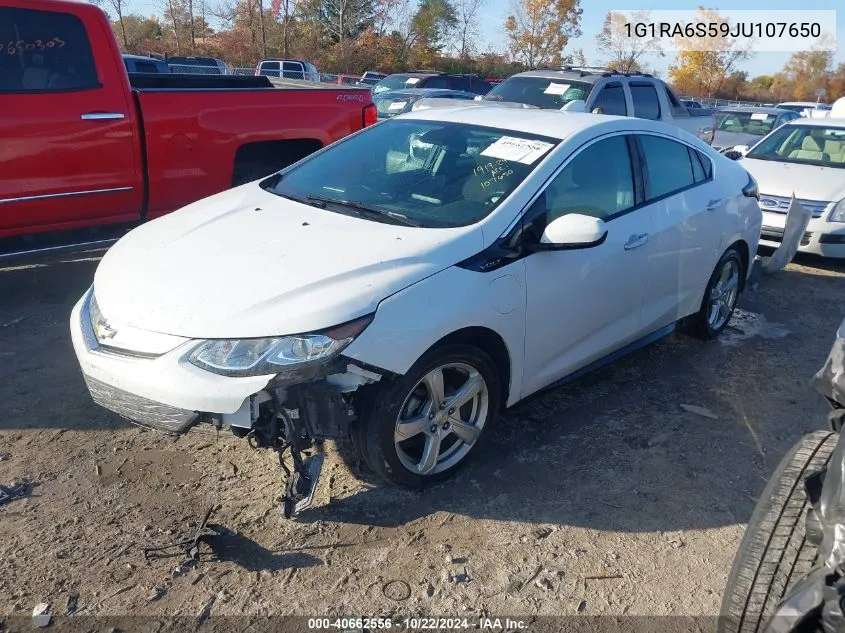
44,51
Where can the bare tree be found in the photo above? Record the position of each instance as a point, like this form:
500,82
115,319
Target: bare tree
623,52
119,8
283,10
466,12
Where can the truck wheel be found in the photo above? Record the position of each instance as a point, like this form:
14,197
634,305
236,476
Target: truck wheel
421,427
720,298
774,553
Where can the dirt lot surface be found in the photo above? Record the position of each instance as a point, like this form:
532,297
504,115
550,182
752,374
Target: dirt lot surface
608,477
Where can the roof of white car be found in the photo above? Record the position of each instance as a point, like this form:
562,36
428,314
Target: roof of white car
551,123
822,122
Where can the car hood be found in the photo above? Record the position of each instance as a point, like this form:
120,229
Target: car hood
728,140
808,182
248,263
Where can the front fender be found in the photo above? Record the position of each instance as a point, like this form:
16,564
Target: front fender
411,321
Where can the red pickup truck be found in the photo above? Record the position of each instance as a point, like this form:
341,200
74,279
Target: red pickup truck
84,145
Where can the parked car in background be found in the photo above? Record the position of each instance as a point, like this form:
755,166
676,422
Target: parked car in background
801,106
604,92
395,102
349,80
691,103
197,65
467,83
93,150
371,77
805,157
443,298
140,64
747,125
288,69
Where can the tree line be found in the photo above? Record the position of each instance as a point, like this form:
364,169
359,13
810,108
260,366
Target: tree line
352,36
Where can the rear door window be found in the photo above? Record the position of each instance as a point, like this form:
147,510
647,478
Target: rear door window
44,51
611,100
434,82
668,166
646,103
293,70
270,68
461,83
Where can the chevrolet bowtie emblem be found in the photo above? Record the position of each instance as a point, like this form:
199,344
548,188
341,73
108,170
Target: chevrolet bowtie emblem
104,331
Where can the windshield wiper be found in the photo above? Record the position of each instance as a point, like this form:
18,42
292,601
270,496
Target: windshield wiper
397,218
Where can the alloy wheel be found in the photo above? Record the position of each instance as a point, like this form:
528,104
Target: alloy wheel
723,295
441,419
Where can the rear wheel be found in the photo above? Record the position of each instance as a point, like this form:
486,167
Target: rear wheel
720,297
774,552
421,427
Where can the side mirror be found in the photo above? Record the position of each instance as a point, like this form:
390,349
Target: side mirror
742,150
579,105
572,231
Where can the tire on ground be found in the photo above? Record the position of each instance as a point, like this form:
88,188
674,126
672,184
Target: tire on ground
373,434
697,324
774,554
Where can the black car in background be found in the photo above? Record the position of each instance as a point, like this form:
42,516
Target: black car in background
402,81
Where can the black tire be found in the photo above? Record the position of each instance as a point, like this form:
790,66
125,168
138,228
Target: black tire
373,434
698,324
774,553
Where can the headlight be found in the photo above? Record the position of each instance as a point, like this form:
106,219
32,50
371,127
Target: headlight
838,214
264,356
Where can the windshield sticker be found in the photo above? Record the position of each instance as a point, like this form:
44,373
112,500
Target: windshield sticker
518,150
18,47
412,80
759,116
397,105
556,89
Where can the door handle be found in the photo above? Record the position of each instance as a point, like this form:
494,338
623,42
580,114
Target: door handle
102,116
636,241
714,203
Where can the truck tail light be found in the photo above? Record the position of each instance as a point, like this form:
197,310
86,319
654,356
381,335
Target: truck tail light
370,115
257,72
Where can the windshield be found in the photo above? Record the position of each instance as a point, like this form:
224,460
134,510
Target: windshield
803,144
757,123
429,173
397,82
550,94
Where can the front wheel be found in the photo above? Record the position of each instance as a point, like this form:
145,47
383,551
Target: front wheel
421,427
720,298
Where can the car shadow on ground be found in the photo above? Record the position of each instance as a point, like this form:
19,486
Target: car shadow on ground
234,547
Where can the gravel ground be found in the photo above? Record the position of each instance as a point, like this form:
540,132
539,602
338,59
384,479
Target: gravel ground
604,496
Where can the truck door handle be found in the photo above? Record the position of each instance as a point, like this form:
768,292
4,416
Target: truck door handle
636,241
714,203
102,116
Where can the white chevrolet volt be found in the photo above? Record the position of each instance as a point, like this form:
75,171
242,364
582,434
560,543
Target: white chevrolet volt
404,285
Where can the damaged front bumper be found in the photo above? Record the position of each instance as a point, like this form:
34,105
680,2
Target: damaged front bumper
166,393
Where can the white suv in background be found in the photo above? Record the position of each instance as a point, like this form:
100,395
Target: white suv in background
288,69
